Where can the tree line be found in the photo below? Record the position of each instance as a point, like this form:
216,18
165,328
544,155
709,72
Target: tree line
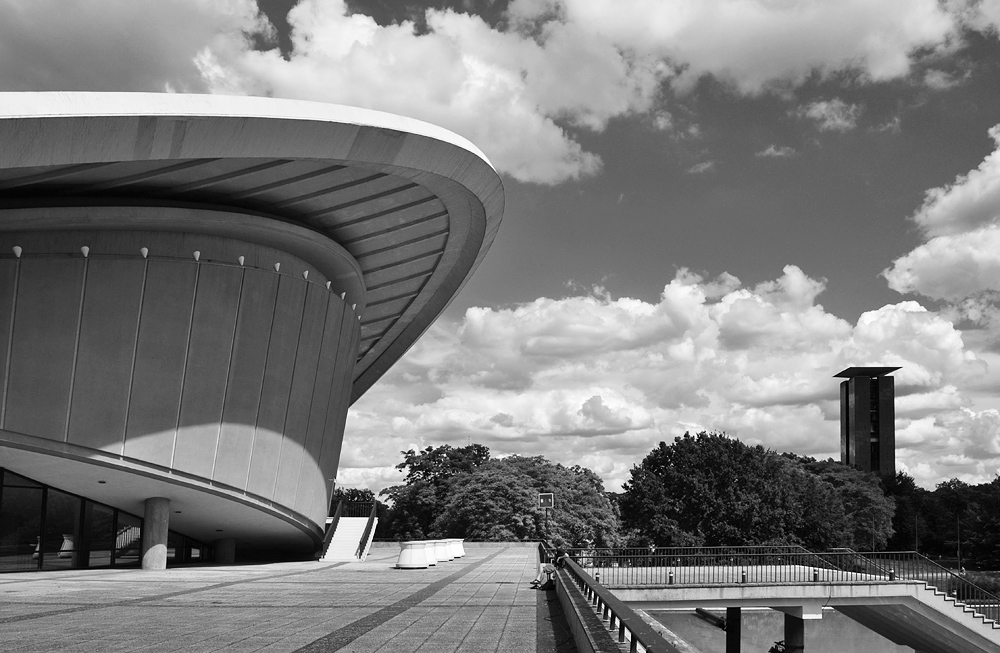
705,489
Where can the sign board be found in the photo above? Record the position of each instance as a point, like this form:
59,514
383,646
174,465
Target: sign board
546,500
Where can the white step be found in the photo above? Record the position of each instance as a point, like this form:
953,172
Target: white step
344,545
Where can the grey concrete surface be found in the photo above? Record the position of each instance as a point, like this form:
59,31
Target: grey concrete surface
482,602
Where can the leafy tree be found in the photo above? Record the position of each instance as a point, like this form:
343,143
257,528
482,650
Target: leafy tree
868,510
984,535
583,513
350,495
419,501
414,508
464,493
932,521
438,464
362,495
908,523
954,498
494,504
712,490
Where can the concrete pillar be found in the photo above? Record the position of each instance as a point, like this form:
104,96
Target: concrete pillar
225,551
795,634
155,524
733,628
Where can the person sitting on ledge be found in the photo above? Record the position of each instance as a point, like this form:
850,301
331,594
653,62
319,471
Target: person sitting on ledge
548,570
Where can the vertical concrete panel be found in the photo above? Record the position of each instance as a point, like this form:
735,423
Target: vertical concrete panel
311,482
281,348
44,346
300,397
207,373
8,280
159,366
861,422
346,388
845,423
886,426
340,396
104,358
246,377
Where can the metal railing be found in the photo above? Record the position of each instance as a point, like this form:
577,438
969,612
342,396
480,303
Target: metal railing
357,508
630,627
690,565
643,551
363,545
331,528
778,565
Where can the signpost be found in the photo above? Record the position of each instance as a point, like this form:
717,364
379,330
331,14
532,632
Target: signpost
546,500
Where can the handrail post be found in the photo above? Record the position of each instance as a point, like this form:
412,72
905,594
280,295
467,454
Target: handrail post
360,553
328,536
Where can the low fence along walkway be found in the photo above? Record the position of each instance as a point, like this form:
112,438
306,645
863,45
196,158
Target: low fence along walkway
904,596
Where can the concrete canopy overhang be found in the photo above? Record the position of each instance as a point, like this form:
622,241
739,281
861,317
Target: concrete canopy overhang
394,213
415,205
852,372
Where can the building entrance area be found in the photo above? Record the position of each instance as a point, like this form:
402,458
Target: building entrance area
43,528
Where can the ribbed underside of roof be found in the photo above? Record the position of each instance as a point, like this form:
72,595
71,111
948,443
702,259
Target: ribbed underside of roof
395,228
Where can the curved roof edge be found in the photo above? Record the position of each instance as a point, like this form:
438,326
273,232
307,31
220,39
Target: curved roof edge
99,128
50,104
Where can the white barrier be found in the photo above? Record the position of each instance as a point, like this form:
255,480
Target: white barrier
421,554
412,555
442,550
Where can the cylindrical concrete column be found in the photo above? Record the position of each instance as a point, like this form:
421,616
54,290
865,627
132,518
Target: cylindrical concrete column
155,524
225,551
733,630
795,633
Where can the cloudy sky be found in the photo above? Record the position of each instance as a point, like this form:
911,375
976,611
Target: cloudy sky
712,205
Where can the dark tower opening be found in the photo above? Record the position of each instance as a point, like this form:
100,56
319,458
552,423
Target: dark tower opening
867,419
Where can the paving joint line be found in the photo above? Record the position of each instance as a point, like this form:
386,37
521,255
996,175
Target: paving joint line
159,597
343,636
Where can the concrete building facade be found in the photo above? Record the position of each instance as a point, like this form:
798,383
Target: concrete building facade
194,289
867,419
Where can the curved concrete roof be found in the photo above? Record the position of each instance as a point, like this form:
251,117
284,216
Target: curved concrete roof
415,206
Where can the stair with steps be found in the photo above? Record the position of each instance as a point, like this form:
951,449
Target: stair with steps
965,608
347,538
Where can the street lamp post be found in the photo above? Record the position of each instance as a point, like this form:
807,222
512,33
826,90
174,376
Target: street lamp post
958,533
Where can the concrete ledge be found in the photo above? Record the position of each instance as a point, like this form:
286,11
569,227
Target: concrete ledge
589,632
467,544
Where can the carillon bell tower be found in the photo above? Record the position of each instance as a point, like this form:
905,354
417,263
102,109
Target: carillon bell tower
867,419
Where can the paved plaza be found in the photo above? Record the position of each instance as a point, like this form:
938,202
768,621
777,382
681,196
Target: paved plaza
480,603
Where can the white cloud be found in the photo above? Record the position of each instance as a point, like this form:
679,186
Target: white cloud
773,151
963,444
593,378
724,37
960,261
663,121
973,200
891,126
940,80
831,115
701,168
502,90
982,15
519,91
118,45
950,267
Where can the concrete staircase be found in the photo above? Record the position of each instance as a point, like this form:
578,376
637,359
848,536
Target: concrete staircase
347,539
929,622
967,609
908,612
